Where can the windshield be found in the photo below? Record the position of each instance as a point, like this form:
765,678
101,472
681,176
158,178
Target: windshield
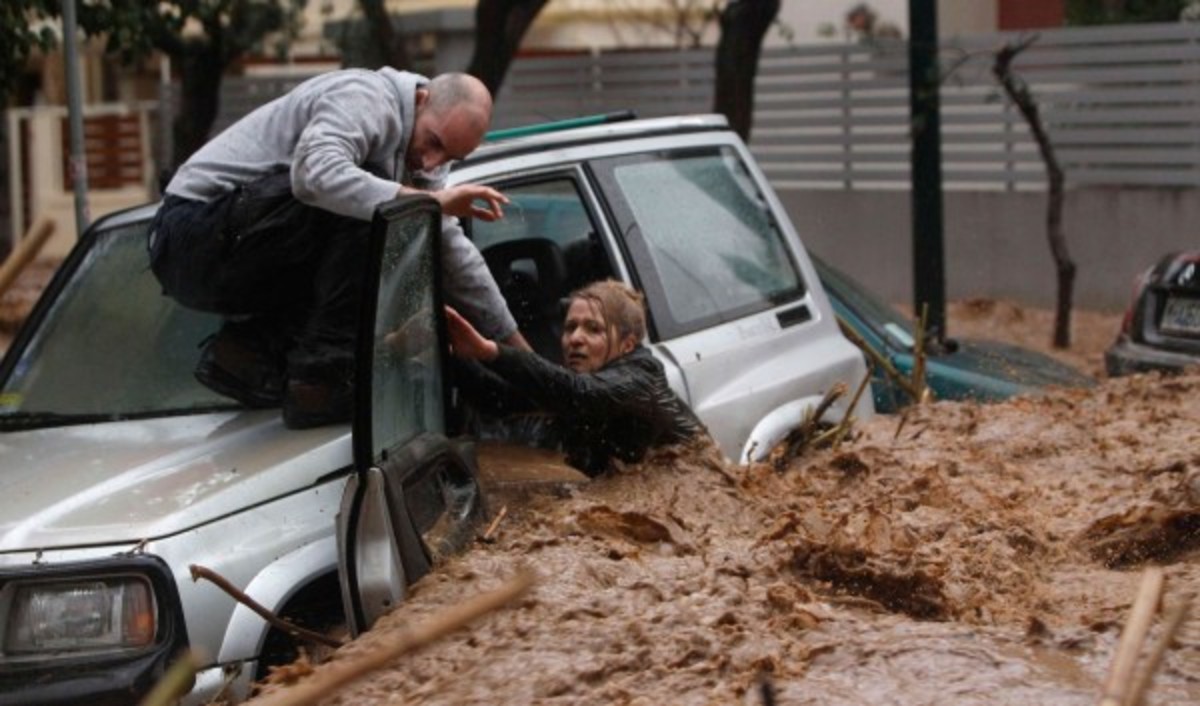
706,243
112,346
850,299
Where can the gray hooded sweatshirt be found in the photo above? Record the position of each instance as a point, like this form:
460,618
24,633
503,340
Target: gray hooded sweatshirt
343,135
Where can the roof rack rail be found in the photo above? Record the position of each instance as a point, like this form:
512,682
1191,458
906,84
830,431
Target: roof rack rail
555,126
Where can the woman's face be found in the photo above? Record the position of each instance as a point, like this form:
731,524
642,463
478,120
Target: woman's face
585,338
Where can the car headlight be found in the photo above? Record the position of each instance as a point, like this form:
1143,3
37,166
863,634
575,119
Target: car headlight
92,614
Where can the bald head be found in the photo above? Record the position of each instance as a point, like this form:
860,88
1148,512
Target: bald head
463,92
453,112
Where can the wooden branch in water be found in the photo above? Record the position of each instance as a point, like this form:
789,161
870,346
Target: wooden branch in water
491,529
843,427
337,674
1117,686
203,572
803,435
884,364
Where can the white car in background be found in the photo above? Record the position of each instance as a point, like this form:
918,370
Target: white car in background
118,470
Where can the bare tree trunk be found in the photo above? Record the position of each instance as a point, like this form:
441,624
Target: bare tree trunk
499,27
1019,94
744,23
200,69
389,49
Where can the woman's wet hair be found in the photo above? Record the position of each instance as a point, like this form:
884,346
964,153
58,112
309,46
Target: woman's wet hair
623,308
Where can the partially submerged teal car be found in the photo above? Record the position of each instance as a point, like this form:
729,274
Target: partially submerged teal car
963,370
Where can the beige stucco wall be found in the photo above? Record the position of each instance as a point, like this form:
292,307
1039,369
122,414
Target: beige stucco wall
966,16
45,178
605,24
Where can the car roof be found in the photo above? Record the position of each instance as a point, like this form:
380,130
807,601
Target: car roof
606,132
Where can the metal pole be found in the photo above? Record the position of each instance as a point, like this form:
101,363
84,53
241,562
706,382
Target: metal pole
929,287
75,118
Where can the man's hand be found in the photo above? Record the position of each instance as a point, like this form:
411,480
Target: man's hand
465,341
460,201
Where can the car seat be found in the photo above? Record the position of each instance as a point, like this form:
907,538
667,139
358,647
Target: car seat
532,276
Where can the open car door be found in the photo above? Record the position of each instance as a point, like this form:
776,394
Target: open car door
415,495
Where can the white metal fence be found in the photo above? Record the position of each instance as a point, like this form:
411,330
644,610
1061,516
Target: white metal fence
1122,105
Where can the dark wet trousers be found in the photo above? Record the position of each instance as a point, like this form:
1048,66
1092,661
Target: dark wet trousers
287,271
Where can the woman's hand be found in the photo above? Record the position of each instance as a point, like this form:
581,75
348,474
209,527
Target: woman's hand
465,341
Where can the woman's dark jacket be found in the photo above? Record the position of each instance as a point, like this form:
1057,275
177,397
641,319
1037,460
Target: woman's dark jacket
620,411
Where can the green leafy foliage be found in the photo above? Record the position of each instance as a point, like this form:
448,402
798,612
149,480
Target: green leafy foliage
22,29
227,28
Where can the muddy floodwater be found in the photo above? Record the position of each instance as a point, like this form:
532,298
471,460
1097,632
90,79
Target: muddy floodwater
963,553
958,554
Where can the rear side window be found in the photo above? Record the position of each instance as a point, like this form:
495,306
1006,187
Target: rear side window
704,241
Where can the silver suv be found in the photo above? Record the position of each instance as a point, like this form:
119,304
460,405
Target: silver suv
118,470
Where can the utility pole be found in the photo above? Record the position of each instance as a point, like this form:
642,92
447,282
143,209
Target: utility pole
75,118
929,276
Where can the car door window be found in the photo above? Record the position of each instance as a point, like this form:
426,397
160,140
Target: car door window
415,496
704,241
406,371
545,247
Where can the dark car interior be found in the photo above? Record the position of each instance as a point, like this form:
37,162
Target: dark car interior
546,248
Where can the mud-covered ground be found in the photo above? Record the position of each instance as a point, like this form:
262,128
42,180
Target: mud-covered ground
963,554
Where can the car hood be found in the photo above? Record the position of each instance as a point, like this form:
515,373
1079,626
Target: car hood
1012,369
125,481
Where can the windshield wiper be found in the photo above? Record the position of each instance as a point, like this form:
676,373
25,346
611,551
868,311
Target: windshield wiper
34,420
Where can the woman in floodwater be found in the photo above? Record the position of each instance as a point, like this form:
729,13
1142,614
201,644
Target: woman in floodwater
611,401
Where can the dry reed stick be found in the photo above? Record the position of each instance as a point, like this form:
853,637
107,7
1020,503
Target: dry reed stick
337,674
1171,625
1117,686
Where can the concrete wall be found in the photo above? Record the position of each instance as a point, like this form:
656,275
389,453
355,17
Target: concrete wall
995,242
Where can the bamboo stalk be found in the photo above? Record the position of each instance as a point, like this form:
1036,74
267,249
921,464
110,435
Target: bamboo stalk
202,572
1117,686
337,674
1171,626
27,249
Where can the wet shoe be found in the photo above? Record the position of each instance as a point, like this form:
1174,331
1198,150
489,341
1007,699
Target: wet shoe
241,370
308,404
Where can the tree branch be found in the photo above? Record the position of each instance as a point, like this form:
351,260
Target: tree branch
1018,92
202,572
